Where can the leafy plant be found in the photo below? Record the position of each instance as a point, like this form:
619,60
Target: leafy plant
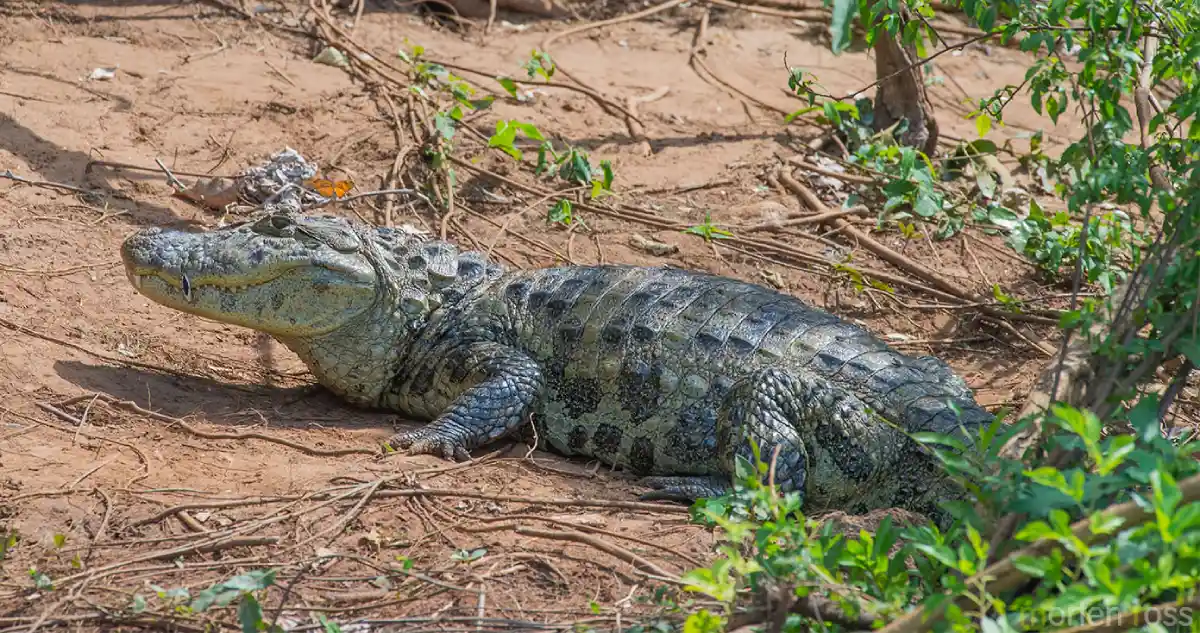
708,230
467,556
540,64
243,589
561,213
506,135
767,541
41,580
858,280
1053,242
910,187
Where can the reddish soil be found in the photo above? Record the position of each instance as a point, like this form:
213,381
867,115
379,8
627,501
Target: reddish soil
208,92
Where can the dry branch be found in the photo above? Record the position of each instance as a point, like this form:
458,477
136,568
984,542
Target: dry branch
898,260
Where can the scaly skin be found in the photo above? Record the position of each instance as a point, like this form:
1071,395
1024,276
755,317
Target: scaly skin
664,372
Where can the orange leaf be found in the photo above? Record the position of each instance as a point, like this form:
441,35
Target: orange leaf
330,188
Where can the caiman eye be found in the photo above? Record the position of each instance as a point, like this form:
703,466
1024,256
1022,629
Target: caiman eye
278,225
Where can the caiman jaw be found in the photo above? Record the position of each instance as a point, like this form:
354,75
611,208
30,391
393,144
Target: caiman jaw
283,285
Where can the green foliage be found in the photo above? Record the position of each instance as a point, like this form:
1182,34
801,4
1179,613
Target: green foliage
562,212
858,281
430,78
910,189
468,556
1053,242
41,580
540,64
843,15
223,593
767,541
506,135
708,230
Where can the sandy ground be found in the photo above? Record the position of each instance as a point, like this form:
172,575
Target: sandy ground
95,490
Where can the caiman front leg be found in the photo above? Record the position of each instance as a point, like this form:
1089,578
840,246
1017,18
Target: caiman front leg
498,386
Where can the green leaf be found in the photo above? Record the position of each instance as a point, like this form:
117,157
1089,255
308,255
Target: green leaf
444,124
1002,217
983,124
8,541
1104,523
467,556
250,614
1032,566
1035,531
509,86
703,622
931,438
840,27
223,593
529,130
1120,447
987,183
799,113
927,206
743,469
1048,476
940,553
606,168
560,213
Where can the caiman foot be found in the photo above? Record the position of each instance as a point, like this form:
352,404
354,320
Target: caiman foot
684,489
430,441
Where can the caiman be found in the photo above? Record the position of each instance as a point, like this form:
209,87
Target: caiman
664,372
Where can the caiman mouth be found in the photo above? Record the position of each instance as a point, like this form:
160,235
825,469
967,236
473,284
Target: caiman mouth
189,284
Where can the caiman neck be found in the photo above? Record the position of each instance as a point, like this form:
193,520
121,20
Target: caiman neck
356,361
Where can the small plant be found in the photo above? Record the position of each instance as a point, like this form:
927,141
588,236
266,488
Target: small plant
767,542
708,230
468,556
1008,301
858,280
561,212
431,76
242,588
539,64
505,137
41,580
1052,242
572,166
911,186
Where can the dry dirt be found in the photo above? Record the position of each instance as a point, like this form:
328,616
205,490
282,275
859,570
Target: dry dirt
208,92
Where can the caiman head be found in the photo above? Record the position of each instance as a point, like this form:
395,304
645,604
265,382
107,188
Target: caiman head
342,295
279,275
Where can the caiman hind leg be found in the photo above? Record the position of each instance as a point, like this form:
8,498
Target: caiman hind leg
762,409
497,385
